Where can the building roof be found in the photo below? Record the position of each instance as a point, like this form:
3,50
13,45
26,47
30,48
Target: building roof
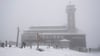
65,40
50,30
48,27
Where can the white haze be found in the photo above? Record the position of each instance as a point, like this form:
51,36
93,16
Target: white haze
26,13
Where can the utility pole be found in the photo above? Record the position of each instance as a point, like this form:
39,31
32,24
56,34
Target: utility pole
38,39
17,37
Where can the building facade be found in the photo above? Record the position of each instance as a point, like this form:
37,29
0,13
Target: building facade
52,35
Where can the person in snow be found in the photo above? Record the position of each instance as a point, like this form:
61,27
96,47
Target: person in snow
2,45
23,45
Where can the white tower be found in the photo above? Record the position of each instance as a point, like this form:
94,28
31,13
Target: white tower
71,17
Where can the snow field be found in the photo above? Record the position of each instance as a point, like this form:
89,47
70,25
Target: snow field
13,51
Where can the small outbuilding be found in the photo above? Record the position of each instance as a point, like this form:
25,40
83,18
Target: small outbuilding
64,43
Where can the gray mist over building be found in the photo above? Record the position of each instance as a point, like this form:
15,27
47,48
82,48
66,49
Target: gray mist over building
26,13
67,36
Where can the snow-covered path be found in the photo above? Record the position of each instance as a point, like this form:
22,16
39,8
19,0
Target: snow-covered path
48,52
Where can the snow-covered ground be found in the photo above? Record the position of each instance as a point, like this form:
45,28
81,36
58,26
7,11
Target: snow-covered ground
13,51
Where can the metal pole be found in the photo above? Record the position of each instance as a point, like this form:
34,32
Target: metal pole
17,37
37,41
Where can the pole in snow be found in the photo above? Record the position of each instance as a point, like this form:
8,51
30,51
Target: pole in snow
17,37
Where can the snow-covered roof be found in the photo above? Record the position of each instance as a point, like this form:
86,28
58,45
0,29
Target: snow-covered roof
60,33
50,30
65,40
47,27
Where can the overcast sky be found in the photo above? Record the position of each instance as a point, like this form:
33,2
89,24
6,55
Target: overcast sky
26,13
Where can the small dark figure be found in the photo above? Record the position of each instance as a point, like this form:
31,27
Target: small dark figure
56,46
23,45
89,49
2,45
10,46
6,43
39,49
80,49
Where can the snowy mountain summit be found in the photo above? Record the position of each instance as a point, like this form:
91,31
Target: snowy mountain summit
13,51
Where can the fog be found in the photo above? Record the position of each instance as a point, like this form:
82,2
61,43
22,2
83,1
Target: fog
26,13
